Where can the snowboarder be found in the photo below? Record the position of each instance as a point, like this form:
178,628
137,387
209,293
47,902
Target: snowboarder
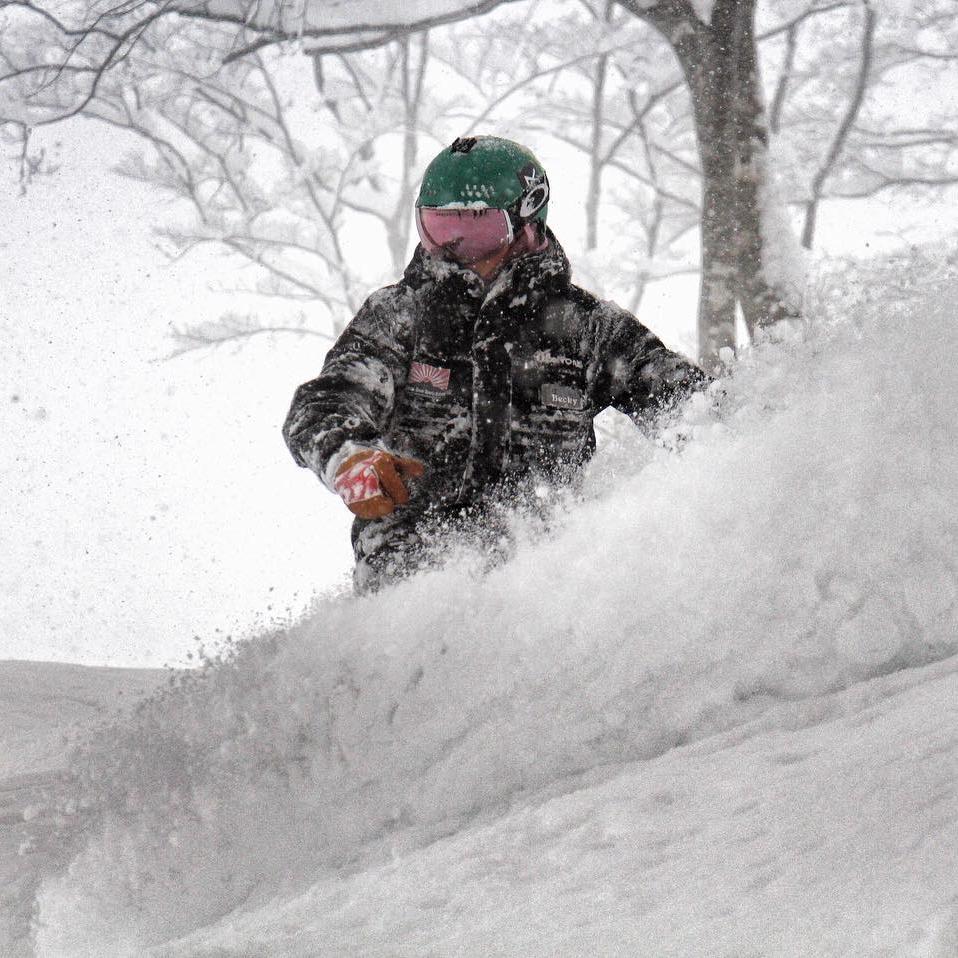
474,379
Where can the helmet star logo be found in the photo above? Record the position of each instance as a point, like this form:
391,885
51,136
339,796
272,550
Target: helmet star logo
531,178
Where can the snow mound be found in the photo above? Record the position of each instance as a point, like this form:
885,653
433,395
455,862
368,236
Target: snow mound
802,542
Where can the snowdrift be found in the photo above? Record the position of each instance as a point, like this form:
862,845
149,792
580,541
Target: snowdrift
804,540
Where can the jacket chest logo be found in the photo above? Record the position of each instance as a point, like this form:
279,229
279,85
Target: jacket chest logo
431,378
544,357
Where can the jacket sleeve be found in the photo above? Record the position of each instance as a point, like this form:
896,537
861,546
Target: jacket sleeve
634,371
351,401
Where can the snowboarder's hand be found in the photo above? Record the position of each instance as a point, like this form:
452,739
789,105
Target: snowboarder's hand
371,482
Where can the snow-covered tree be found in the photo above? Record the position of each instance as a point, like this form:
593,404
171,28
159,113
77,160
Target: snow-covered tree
847,101
275,124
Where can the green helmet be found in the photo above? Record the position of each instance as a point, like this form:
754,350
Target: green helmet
477,172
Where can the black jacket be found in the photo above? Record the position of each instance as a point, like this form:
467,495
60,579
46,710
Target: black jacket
481,384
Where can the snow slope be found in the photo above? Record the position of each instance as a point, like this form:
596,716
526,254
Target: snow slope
822,828
713,712
42,704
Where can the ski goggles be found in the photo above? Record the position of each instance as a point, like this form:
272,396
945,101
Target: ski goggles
466,235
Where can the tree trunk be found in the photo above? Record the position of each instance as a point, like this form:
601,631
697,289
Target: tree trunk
397,225
594,192
596,160
730,122
719,60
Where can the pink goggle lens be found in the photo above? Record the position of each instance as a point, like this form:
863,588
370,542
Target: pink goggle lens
467,235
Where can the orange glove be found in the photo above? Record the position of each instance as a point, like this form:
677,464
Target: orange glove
371,484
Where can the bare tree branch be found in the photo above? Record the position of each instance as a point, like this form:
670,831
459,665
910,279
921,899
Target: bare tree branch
230,329
844,127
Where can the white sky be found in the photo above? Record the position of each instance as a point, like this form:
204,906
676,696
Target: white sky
148,502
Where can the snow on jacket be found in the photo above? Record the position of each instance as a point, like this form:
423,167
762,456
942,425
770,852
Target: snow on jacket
479,383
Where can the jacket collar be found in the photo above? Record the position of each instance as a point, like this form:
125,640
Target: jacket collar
521,282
